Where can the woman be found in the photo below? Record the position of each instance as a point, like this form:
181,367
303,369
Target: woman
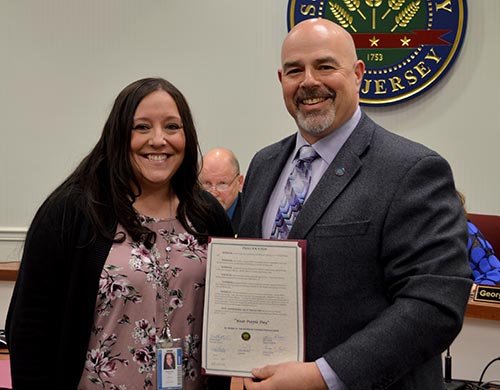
169,363
483,262
114,261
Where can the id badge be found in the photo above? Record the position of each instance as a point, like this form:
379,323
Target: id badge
169,368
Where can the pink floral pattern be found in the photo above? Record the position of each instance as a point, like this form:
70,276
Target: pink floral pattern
130,309
103,363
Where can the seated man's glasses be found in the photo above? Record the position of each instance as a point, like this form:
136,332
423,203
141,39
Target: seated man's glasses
221,186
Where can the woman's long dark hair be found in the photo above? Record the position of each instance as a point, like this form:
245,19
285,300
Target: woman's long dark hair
105,175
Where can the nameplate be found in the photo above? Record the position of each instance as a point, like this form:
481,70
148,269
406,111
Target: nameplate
489,294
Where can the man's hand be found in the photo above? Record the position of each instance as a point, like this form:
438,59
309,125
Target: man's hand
287,376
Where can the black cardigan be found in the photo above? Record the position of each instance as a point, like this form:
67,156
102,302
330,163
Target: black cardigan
52,308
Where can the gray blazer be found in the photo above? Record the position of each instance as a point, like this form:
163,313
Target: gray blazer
387,271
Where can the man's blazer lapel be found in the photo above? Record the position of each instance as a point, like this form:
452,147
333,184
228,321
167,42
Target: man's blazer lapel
339,174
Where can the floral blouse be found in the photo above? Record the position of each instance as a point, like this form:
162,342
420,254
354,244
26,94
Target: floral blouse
137,286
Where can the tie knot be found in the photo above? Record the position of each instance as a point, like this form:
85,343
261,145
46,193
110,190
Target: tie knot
306,154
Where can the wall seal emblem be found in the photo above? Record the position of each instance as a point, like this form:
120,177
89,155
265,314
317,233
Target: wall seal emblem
406,45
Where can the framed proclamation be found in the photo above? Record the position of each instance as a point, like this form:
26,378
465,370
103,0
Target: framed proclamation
253,312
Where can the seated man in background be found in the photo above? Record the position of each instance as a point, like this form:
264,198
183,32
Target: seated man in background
220,175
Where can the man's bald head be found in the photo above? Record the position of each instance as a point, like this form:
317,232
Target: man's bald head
221,169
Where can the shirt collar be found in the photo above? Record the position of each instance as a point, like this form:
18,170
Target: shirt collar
328,147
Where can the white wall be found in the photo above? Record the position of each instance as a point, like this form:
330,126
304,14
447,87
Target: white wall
64,61
477,344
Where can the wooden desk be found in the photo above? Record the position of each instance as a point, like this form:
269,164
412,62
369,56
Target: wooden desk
8,270
4,354
483,310
486,311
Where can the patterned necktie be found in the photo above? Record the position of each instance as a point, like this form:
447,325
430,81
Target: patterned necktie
296,189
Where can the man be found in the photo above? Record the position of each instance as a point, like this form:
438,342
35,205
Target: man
220,175
387,272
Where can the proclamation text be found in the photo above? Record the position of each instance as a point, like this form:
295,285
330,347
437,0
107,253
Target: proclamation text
253,312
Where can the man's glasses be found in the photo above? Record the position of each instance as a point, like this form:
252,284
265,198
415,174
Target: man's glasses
220,187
